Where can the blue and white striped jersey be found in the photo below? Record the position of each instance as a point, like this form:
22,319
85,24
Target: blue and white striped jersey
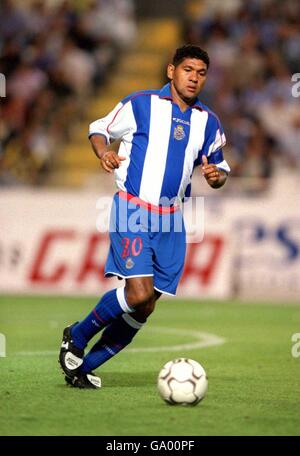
162,144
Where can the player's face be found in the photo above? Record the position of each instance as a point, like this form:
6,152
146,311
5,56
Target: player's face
188,78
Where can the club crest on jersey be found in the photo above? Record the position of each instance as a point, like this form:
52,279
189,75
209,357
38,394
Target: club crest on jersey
129,263
179,132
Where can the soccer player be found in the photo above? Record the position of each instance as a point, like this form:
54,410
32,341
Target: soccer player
165,134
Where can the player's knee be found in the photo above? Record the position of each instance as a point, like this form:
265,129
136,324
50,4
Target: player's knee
141,297
147,308
142,312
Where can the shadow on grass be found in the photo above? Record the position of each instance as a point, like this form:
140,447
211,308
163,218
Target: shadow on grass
125,379
121,379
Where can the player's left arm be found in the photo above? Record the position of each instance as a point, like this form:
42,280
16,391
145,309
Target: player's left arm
214,167
214,176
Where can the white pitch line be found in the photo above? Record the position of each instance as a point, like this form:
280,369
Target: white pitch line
203,340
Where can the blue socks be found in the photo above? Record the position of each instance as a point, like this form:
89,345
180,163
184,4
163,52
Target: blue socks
115,337
112,305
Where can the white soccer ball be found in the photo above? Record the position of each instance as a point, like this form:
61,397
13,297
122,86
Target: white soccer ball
182,381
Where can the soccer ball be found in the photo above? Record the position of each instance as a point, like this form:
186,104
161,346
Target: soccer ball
182,381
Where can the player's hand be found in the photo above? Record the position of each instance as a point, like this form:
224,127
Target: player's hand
210,171
111,160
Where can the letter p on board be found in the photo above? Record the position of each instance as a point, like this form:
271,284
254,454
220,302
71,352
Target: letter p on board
2,86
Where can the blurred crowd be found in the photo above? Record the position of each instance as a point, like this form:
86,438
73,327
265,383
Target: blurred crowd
54,55
254,49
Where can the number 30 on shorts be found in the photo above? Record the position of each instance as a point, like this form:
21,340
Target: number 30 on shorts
134,247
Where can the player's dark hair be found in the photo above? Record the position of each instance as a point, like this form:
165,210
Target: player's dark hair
190,51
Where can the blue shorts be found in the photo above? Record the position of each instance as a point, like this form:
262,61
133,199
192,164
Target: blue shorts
146,240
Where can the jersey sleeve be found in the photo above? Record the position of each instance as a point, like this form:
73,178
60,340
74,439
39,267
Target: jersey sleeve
119,122
214,141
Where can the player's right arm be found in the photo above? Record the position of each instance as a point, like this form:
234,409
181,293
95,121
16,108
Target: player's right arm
109,159
116,125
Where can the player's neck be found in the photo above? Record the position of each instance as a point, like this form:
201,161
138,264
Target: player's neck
181,102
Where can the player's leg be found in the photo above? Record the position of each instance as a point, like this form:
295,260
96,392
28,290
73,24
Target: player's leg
169,254
76,337
141,293
118,335
130,257
114,303
119,332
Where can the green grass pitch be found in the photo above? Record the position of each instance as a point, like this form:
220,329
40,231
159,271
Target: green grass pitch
254,381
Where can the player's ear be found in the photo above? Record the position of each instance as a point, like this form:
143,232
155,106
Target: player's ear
170,71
